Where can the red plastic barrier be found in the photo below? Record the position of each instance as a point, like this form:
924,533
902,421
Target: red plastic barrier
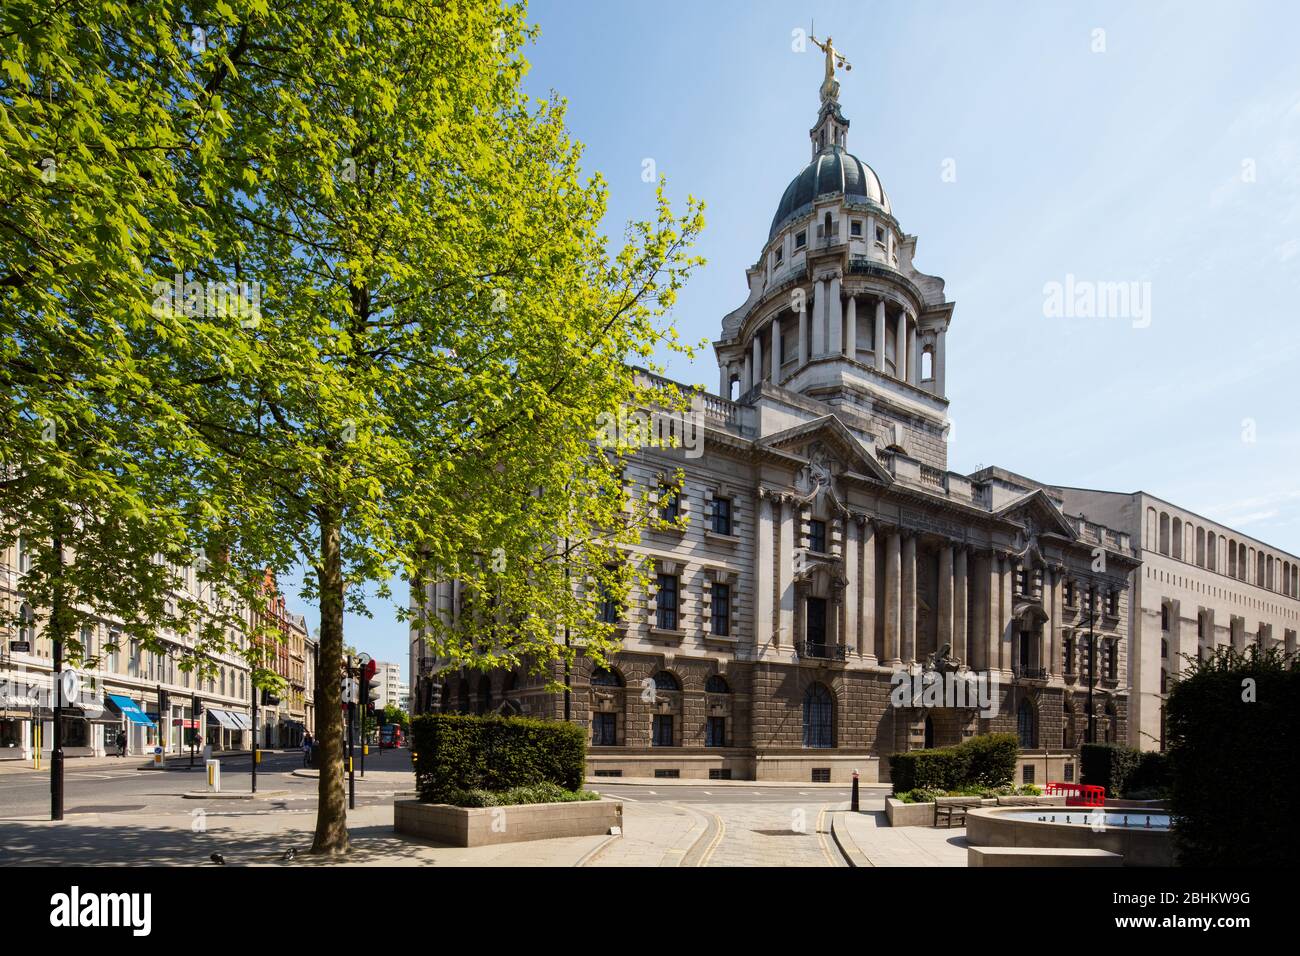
1077,794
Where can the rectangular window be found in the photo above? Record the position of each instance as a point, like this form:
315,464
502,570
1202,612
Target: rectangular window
663,731
668,774
1027,774
817,536
609,773
722,609
816,626
1069,594
604,731
670,508
722,516
1069,773
719,773
778,256
855,228
821,774
609,609
666,603
1112,603
715,732
880,234
800,240
1112,659
1164,617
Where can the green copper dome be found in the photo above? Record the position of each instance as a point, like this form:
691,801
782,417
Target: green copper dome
833,171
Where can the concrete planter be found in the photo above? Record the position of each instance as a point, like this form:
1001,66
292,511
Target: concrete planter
902,814
482,826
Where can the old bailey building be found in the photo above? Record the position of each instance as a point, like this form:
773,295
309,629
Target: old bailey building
836,593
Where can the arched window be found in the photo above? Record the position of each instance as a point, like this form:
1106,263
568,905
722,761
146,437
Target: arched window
818,717
716,684
927,364
601,677
1027,725
1164,532
1211,552
666,681
1178,538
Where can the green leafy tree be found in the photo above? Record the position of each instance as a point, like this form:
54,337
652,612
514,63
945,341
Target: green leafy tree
102,109
442,330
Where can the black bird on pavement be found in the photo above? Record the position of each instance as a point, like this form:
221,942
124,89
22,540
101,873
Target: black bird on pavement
218,859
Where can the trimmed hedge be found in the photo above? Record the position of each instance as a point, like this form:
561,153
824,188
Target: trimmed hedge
1233,730
1107,765
988,760
455,752
1124,771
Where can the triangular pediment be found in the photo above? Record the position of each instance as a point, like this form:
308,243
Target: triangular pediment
1038,510
834,435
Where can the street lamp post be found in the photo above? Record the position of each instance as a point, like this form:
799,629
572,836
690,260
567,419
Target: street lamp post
56,749
252,754
194,719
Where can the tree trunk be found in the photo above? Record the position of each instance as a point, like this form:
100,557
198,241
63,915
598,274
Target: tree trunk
331,808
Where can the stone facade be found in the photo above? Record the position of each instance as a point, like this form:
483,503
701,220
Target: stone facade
827,551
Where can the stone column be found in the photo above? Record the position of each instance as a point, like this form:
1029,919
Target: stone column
893,596
819,319
746,375
851,329
913,358
785,573
977,643
878,343
764,568
1004,614
908,628
993,628
758,358
803,334
834,318
900,347
1058,618
1047,639
776,351
943,633
868,588
724,380
940,387
852,590
961,643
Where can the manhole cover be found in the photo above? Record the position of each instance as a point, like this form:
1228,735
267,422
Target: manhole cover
107,809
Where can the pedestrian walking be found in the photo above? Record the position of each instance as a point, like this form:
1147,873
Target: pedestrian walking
121,743
307,744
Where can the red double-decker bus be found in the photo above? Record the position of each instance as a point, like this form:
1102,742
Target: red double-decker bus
390,735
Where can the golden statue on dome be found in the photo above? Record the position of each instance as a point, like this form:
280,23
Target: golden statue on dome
830,88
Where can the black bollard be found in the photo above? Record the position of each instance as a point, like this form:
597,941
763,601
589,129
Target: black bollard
854,805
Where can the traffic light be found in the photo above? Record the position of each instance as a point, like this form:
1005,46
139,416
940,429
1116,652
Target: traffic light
373,693
269,699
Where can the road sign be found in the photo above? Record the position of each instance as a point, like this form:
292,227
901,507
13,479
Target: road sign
349,690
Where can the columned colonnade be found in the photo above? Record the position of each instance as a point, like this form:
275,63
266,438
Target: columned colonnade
829,327
976,594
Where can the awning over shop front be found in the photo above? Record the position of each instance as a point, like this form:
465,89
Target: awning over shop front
130,710
222,717
241,720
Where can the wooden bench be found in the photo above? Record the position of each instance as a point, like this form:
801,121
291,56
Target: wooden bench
948,808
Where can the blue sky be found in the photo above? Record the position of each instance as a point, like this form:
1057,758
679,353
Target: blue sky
1170,157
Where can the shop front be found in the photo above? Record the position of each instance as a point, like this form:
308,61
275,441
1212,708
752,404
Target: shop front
226,729
141,730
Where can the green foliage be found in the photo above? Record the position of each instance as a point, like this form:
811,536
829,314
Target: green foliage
988,760
515,796
395,715
1232,725
456,752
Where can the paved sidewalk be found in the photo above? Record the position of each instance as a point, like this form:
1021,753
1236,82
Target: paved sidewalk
867,839
654,834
